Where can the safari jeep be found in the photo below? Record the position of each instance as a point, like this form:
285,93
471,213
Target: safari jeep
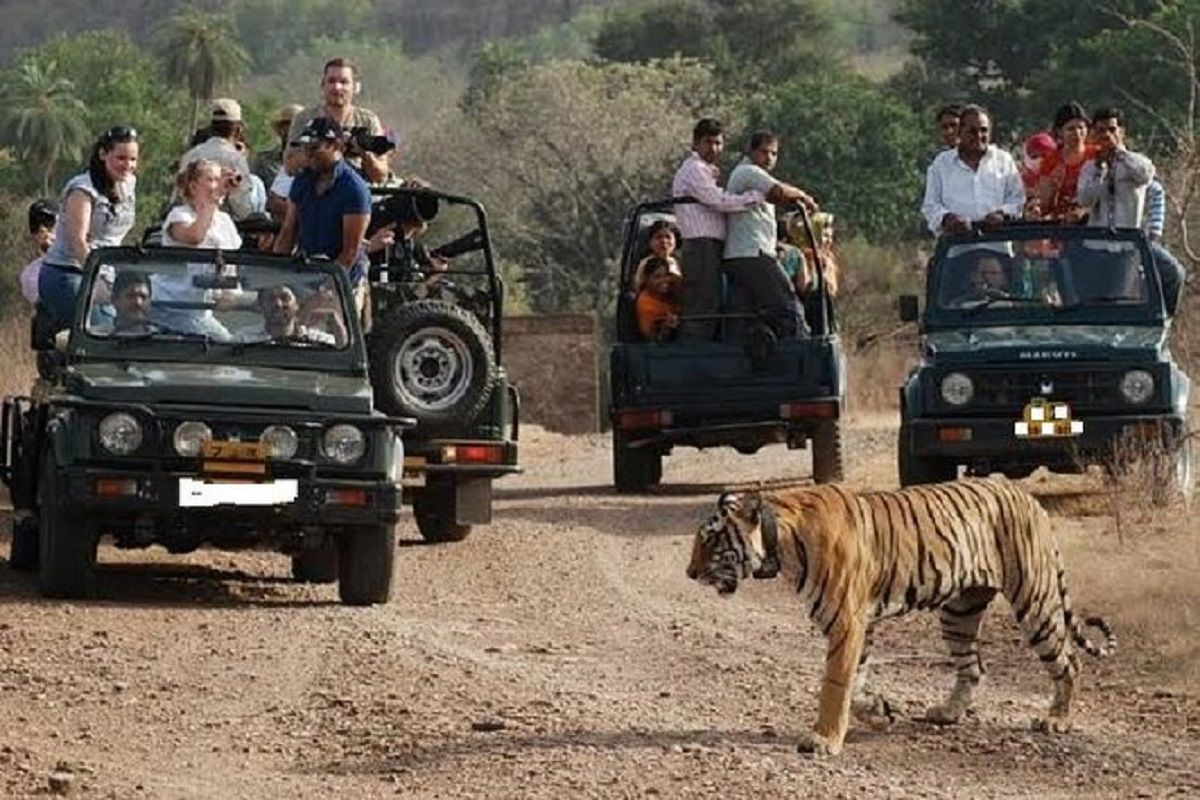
435,352
745,389
207,398
1042,346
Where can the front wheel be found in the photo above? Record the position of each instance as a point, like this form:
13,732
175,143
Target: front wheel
915,470
67,542
366,562
827,452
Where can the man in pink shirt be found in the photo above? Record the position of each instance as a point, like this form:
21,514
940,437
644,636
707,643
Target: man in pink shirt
702,225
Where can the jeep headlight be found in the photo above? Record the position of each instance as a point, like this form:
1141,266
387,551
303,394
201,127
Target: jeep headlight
281,440
189,437
1137,386
957,389
344,444
120,433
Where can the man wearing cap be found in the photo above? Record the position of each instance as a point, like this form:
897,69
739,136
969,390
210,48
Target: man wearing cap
339,86
267,163
329,206
225,147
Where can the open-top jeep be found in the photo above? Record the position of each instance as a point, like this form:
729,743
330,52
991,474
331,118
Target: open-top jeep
210,398
744,389
1042,346
435,352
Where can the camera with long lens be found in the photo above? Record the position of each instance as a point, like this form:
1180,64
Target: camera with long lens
360,137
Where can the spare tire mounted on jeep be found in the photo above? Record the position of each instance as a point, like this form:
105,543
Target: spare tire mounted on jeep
433,361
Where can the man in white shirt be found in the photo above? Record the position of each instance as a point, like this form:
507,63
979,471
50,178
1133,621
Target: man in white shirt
702,227
975,183
1113,185
759,285
225,148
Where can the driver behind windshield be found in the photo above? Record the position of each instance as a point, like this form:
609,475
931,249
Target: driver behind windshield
988,281
282,318
130,316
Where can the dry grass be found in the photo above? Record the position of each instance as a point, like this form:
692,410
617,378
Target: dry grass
1145,583
875,373
20,368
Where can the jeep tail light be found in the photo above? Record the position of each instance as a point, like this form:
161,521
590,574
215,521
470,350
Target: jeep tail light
822,410
473,454
949,433
635,420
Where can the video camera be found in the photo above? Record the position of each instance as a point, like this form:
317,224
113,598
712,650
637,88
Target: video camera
361,137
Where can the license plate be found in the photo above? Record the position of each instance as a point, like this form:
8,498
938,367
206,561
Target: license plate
234,451
1044,419
195,493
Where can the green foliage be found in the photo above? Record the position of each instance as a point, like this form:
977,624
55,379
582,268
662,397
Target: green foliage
602,138
857,148
274,30
200,54
120,84
749,42
41,117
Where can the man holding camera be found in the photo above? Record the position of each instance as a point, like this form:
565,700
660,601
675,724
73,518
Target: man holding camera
329,206
339,86
225,148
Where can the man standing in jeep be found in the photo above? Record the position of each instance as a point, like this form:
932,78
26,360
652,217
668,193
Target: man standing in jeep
702,226
340,85
329,206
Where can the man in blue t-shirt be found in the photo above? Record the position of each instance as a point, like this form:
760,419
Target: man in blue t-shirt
329,206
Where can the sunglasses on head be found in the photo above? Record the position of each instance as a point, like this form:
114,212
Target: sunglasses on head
118,133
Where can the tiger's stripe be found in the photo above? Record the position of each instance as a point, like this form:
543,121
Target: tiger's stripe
859,557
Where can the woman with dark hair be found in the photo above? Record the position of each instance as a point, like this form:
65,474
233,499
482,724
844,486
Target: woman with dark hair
1059,172
662,239
97,210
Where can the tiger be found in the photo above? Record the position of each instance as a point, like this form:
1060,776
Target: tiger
859,557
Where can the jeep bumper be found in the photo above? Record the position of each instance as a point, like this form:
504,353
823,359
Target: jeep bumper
188,499
964,439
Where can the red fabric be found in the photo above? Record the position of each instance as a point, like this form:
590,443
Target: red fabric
1064,198
650,312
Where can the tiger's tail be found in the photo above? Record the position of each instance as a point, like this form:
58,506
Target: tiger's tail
1077,628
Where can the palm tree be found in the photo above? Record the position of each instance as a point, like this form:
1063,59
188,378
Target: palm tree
41,118
201,54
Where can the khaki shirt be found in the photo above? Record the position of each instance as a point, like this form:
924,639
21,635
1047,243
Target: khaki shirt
359,118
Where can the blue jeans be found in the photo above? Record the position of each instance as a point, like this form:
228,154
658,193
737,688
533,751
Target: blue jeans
58,289
1171,275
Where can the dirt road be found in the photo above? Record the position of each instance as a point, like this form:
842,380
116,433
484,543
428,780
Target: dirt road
560,652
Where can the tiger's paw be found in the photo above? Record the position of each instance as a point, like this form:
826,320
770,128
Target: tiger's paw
815,744
944,714
874,711
1052,724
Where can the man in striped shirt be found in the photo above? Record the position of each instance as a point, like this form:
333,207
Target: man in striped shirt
1154,220
702,226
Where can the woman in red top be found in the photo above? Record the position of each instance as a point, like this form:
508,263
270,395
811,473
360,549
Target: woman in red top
1060,170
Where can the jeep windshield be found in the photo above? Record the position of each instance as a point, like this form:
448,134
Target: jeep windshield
230,300
1043,275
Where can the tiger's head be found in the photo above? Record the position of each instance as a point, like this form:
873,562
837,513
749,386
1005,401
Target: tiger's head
737,541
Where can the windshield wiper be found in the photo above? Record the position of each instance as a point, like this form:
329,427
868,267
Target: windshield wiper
158,332
284,341
1105,299
999,298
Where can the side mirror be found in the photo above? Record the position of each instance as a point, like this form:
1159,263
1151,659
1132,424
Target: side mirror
909,309
60,341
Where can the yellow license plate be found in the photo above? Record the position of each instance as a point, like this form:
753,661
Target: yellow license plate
1045,419
223,450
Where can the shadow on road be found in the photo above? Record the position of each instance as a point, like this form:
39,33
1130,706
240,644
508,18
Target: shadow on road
172,585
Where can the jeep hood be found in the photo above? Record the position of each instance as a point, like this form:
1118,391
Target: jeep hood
1024,343
221,384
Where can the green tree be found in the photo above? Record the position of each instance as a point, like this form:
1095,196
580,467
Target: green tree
200,54
560,152
122,84
749,42
856,147
41,117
